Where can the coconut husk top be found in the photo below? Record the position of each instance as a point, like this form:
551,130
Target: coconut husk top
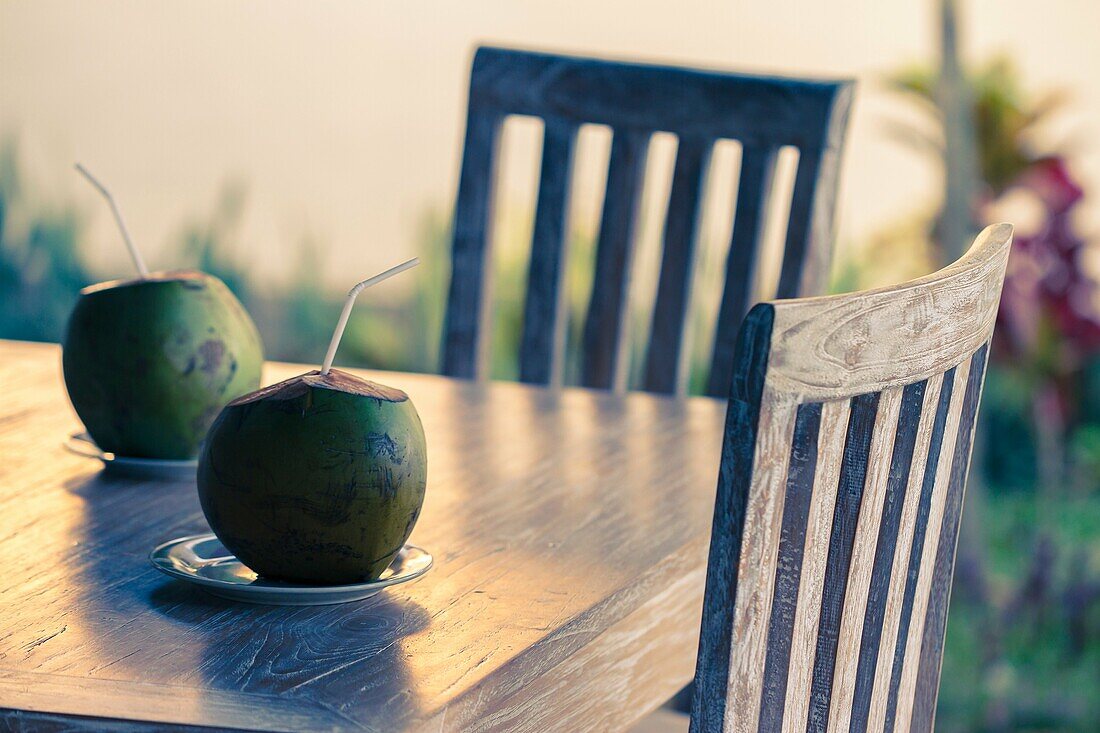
183,276
335,380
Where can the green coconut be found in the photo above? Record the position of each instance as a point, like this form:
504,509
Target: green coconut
318,479
150,362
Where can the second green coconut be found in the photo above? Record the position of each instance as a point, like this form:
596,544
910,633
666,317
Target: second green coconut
149,362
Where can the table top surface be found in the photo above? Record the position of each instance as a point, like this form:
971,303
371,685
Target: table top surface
569,529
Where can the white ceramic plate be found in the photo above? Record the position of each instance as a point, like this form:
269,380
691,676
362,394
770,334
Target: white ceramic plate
154,468
204,561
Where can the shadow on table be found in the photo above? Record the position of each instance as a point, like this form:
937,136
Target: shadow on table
348,657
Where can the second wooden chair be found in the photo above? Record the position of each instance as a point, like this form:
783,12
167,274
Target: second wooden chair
635,100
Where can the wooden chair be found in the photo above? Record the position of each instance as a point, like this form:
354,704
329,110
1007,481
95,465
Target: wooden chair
847,448
635,100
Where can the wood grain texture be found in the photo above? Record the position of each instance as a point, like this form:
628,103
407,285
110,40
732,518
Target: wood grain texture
849,500
917,559
788,571
856,607
819,527
838,642
569,529
710,693
639,659
839,345
756,570
893,611
635,101
931,546
931,657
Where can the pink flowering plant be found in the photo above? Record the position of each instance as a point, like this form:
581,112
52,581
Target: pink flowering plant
1024,633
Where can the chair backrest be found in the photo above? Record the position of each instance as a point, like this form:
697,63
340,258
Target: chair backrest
700,107
847,447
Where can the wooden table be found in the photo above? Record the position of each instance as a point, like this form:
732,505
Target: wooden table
569,529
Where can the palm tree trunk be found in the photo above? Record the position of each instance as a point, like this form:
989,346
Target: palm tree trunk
957,226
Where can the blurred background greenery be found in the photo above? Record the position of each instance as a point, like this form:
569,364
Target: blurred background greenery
1023,649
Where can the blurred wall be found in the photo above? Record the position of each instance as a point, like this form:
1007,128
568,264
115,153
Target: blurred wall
344,119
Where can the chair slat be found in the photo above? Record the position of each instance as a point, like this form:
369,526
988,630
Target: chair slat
857,598
746,424
604,329
664,362
807,249
800,226
750,214
792,545
889,532
916,551
935,624
845,518
543,339
836,421
895,597
464,342
931,547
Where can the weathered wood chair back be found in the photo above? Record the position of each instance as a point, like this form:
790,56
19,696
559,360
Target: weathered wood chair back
635,100
847,447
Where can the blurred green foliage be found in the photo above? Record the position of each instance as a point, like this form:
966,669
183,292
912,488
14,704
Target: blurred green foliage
1006,118
41,269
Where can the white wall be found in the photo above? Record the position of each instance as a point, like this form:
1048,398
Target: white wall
345,118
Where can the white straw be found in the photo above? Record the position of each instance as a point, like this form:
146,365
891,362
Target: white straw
339,332
134,254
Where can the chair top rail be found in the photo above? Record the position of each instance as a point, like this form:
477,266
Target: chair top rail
838,346
756,110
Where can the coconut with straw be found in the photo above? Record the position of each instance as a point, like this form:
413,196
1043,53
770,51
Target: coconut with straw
320,478
149,361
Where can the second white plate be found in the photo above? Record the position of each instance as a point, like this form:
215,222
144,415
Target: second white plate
154,468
